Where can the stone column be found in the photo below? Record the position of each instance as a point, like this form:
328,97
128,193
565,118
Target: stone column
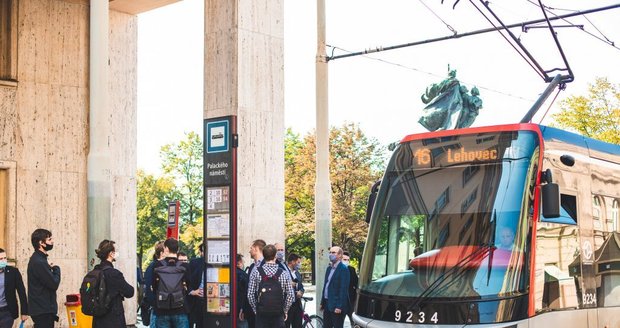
244,76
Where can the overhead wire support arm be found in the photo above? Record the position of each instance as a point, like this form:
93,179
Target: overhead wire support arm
570,76
525,28
482,31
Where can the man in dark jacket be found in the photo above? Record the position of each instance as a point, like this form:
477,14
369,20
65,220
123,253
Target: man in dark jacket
335,298
43,281
177,317
196,299
353,281
149,296
118,288
11,283
294,318
242,292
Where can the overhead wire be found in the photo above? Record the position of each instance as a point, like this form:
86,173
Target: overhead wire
511,44
433,74
444,22
606,40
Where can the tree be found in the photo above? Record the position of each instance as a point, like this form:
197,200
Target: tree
596,115
184,162
355,164
153,195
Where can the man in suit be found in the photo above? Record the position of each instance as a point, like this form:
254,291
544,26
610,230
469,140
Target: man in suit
335,298
195,299
353,280
11,283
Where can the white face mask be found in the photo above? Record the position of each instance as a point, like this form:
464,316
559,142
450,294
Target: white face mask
345,262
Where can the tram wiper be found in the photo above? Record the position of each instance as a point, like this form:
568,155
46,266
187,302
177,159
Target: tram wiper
482,250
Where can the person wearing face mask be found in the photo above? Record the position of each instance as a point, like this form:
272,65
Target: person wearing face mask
335,298
280,260
353,280
43,281
11,283
294,313
117,287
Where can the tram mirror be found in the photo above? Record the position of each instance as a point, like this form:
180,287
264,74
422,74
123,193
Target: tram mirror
371,199
551,200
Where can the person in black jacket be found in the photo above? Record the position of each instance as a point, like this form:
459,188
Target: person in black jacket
353,280
177,317
149,296
195,299
117,287
242,291
43,281
11,284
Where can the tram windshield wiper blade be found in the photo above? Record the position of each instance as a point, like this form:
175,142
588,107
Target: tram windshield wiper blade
483,248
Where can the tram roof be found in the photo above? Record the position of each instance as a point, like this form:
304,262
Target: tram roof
548,134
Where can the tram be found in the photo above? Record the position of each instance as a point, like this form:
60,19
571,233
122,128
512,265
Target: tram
501,226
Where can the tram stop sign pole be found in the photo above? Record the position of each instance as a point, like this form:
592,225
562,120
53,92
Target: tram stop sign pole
220,223
173,220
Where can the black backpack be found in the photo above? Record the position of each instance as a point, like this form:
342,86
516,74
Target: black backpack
94,293
170,291
270,298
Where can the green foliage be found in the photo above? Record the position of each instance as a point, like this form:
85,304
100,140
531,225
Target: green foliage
153,195
355,164
183,162
596,115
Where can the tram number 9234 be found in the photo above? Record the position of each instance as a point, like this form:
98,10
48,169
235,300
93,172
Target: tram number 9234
400,316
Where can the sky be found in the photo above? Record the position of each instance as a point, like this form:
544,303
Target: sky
381,92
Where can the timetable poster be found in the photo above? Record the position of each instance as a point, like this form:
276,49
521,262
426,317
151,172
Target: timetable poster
218,225
218,251
218,199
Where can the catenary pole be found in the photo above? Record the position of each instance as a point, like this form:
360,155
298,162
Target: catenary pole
322,188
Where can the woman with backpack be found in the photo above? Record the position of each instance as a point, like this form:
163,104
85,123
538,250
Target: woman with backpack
117,288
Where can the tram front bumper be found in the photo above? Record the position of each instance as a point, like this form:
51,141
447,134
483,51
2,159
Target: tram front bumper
361,322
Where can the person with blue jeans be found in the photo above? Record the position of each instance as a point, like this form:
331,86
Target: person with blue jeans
149,296
335,298
177,317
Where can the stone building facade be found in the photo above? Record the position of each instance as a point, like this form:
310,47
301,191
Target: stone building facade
44,133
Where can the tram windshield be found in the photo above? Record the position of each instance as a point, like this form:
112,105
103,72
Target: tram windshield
451,218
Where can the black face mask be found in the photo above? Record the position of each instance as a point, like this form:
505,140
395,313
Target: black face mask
48,247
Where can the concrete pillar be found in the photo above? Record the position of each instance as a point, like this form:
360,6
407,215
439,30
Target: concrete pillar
98,162
244,76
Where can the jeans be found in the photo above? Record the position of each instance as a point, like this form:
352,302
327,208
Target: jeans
6,319
153,319
267,321
242,324
172,321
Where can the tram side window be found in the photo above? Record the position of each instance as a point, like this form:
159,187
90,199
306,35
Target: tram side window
568,211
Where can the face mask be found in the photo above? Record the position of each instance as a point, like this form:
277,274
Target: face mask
333,258
345,262
297,266
48,247
280,255
3,264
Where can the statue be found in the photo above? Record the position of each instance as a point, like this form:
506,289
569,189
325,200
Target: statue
449,105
